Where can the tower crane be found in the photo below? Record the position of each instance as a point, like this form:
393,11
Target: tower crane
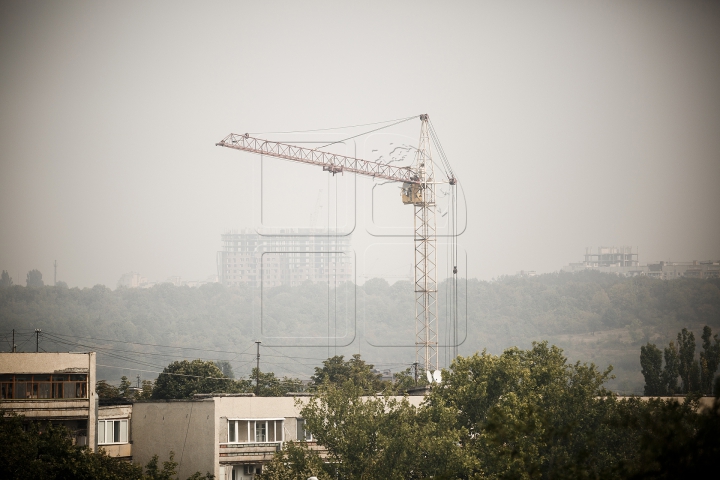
418,189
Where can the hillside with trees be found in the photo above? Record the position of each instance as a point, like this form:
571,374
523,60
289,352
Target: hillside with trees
593,316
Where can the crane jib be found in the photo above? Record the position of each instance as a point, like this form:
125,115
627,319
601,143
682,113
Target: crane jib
329,161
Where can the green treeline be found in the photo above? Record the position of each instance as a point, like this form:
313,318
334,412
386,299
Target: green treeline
184,379
509,306
695,374
522,414
572,310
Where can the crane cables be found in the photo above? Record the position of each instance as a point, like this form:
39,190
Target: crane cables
370,131
404,119
438,146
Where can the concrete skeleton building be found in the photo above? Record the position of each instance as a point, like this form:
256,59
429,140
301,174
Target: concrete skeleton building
284,257
622,261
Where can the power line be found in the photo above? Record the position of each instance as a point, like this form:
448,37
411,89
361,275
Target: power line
332,128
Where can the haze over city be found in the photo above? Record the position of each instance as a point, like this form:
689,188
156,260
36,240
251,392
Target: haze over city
569,125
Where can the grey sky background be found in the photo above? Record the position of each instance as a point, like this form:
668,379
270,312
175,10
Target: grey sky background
570,124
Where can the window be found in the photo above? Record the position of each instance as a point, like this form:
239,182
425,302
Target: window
302,432
112,431
255,431
43,386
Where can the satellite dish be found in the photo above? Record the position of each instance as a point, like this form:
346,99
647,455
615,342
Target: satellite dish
429,376
437,376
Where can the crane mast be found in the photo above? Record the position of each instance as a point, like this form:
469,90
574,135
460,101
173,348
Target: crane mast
418,189
426,331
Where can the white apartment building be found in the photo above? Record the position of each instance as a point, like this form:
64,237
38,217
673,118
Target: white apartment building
284,257
229,435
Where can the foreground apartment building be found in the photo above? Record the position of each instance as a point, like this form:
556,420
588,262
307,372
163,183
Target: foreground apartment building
52,387
230,436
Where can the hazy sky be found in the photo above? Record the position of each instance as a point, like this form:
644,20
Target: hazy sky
570,124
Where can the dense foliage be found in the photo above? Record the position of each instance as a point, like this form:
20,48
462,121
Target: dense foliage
571,310
46,451
521,414
696,375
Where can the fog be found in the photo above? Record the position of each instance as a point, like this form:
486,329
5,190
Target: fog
568,124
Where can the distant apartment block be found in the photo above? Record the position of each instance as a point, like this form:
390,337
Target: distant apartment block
622,261
135,280
284,257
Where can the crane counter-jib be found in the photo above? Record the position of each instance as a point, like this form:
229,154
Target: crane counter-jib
330,162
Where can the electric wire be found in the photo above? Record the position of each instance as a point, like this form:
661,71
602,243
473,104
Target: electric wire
332,128
365,133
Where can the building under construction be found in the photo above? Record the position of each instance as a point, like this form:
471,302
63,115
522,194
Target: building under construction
284,257
611,257
622,261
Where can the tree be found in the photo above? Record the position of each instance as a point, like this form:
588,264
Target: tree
30,451
675,440
226,368
295,461
651,363
125,386
686,355
183,379
146,388
671,369
105,390
337,371
709,359
5,279
405,380
34,279
376,437
527,413
269,385
523,414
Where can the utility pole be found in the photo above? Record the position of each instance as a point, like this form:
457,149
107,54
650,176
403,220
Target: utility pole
55,276
257,371
14,347
138,377
415,368
37,340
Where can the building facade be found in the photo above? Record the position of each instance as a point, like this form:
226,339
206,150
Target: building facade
622,261
611,257
230,436
52,387
284,257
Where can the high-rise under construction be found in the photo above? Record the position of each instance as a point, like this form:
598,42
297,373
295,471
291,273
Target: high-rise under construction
284,257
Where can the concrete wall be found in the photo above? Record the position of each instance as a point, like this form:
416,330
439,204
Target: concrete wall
44,362
199,427
184,427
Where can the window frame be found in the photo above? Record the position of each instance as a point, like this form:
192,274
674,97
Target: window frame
233,431
307,435
46,387
104,429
